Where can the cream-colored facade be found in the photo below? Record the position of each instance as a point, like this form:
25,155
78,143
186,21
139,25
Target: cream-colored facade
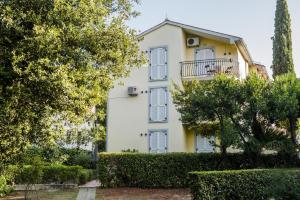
129,123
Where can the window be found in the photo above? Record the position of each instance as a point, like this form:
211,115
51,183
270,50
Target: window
204,144
205,54
158,141
158,64
158,104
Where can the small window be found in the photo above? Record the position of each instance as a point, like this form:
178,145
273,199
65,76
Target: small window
158,64
204,144
158,141
158,104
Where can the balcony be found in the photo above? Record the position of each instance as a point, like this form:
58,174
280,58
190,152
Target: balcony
207,69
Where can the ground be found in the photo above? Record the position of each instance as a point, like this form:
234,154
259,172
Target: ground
118,194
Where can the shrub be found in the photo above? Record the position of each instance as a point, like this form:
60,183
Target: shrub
171,170
4,188
78,157
56,173
7,174
59,155
246,184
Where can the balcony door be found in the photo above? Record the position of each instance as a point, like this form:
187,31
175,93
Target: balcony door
205,61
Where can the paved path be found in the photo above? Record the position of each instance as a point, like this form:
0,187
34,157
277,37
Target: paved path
88,190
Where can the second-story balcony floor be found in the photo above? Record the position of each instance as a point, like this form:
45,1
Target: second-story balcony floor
207,69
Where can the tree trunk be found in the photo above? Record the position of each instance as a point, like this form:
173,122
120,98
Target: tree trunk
223,148
293,125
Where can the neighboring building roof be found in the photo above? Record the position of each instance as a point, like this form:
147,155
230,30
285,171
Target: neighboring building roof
208,34
261,69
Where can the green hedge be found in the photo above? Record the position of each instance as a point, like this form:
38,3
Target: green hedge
171,170
56,173
246,184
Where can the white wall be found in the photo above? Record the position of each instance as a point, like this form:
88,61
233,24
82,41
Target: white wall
128,116
243,66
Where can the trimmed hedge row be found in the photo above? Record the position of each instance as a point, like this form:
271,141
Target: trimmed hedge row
246,184
171,170
56,173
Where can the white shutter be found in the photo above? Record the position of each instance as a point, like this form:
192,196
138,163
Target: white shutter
153,104
203,144
153,143
158,104
162,74
162,104
162,142
158,64
200,54
153,64
158,142
200,143
204,54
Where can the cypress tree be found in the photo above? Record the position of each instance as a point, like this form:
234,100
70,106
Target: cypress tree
282,41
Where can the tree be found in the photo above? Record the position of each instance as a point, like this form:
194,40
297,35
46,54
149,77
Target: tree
240,113
284,104
215,100
58,60
282,41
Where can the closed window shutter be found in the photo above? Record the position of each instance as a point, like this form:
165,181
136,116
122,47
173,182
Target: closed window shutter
200,143
158,142
158,64
158,104
162,108
153,142
162,66
154,104
162,142
153,64
203,144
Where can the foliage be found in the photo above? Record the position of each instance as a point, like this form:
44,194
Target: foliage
251,114
246,184
55,173
285,104
200,101
4,188
58,60
171,170
282,41
57,155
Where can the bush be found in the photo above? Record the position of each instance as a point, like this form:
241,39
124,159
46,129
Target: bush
56,173
78,157
58,155
4,188
7,175
171,170
246,184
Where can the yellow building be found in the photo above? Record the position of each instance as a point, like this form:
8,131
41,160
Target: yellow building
140,111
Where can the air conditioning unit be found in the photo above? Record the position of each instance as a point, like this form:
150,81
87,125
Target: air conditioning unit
192,42
133,91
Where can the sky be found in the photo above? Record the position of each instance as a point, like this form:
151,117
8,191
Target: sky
253,20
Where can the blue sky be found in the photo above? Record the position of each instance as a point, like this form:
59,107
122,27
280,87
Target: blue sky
252,20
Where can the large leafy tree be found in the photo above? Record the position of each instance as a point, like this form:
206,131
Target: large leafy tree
216,100
282,40
284,104
242,113
58,59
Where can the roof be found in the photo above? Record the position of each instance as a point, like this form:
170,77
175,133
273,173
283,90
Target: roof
241,45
